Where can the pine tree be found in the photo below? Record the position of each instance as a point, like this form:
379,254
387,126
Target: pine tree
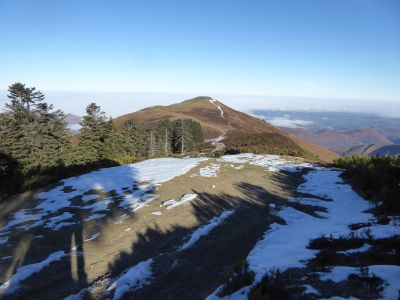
32,133
182,136
94,134
134,139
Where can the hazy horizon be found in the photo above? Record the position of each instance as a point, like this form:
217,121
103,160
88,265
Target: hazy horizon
116,104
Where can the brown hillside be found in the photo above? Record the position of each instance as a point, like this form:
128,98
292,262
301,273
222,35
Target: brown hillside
231,123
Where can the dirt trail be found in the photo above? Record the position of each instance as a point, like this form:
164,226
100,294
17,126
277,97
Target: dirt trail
122,243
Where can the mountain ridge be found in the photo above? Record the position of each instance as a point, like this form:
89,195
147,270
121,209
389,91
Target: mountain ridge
218,119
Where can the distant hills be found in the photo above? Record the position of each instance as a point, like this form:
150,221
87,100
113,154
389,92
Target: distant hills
344,143
73,122
342,132
240,130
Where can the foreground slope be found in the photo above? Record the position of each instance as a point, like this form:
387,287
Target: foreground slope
218,120
176,228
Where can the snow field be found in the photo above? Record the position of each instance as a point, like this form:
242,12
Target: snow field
285,246
154,171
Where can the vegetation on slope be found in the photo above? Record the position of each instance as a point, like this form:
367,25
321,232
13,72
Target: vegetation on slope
378,178
36,147
263,143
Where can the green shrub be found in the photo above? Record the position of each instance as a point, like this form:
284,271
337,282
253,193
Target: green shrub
378,178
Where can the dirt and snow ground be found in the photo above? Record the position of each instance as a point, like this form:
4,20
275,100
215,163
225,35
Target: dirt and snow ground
128,230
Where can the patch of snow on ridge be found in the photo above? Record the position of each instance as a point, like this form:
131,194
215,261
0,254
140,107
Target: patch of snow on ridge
285,246
22,273
116,179
389,273
212,101
206,229
170,204
208,171
133,279
272,163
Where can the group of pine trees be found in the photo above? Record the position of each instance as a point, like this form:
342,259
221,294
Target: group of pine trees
36,142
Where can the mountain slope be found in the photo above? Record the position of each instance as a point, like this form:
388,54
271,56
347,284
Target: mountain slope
218,119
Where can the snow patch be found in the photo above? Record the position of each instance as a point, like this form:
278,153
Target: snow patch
272,163
214,102
208,171
93,237
13,284
132,279
116,179
170,204
390,274
205,229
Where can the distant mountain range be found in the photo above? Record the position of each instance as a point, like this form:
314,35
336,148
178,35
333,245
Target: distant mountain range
344,133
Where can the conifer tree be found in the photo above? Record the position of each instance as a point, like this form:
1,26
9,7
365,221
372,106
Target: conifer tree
94,134
134,139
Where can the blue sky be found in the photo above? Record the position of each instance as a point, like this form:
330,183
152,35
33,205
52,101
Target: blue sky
308,48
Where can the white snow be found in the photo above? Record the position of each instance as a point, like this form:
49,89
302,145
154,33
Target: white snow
132,279
154,171
205,229
310,289
209,171
156,213
22,273
363,248
3,240
213,101
93,237
285,246
272,163
389,273
170,204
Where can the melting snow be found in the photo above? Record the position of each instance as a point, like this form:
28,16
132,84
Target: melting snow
11,285
206,229
213,101
115,179
285,246
170,204
93,237
390,274
363,248
209,171
270,162
133,279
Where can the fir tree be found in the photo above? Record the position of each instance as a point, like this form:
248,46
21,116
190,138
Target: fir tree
93,137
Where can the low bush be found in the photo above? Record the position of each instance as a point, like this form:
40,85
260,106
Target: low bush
378,178
237,279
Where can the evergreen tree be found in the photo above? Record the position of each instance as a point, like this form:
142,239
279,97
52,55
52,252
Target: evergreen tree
32,133
134,139
182,136
94,135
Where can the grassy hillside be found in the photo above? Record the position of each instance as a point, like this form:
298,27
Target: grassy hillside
242,132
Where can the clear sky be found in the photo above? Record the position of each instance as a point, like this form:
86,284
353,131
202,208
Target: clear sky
308,48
